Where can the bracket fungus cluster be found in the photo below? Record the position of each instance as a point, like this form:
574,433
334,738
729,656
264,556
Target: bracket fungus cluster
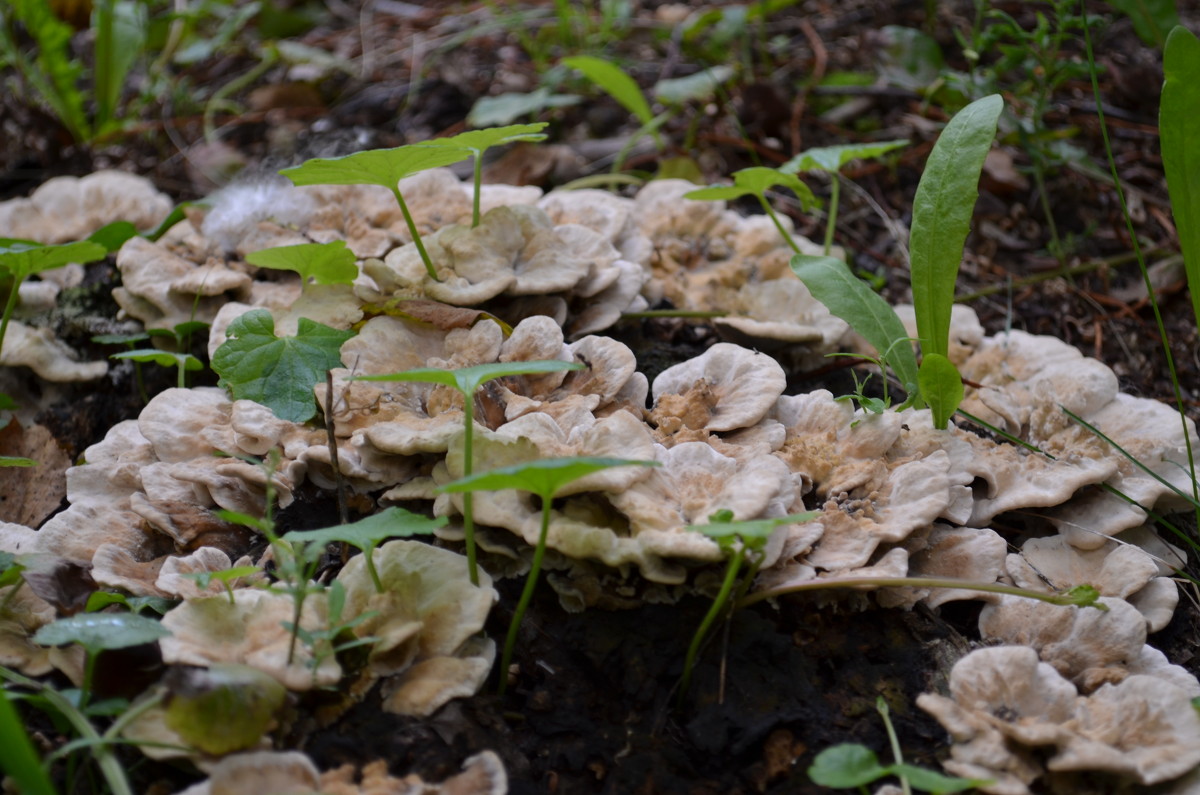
539,278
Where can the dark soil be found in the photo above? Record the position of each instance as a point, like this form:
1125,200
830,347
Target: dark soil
591,707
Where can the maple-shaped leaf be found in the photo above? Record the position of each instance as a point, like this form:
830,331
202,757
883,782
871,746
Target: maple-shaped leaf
278,372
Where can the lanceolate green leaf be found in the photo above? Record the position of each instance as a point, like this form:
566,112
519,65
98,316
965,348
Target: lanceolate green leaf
702,85
755,181
942,209
324,263
831,158
848,297
1178,125
941,387
479,141
615,82
390,523
278,372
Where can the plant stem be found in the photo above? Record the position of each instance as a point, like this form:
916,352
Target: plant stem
478,188
9,306
835,189
787,236
469,497
893,740
535,568
416,236
735,564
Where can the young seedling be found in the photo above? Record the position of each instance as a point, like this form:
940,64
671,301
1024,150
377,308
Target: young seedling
20,259
830,160
850,766
21,760
544,478
97,632
756,181
384,167
278,372
366,534
317,263
479,141
225,577
741,541
184,361
467,381
851,299
338,635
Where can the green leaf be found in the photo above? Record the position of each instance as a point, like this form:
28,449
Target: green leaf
113,236
756,181
845,766
543,477
479,141
942,210
932,781
700,86
120,30
99,631
941,387
1085,596
164,358
1152,19
615,83
10,569
384,167
16,461
467,379
507,108
278,372
223,708
848,297
324,263
830,159
22,259
753,532
390,523
1178,123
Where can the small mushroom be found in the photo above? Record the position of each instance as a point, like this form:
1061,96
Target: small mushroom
725,388
63,209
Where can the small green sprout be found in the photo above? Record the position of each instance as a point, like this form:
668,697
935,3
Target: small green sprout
467,381
384,167
184,361
851,765
225,577
479,141
545,478
756,181
742,540
20,259
829,160
322,263
97,632
365,534
852,300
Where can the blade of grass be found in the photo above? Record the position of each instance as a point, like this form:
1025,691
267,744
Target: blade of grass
1162,329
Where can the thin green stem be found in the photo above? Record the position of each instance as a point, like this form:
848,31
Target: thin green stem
1162,329
469,497
911,582
369,561
478,188
718,604
9,306
787,236
416,236
893,741
218,99
89,672
835,189
535,568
